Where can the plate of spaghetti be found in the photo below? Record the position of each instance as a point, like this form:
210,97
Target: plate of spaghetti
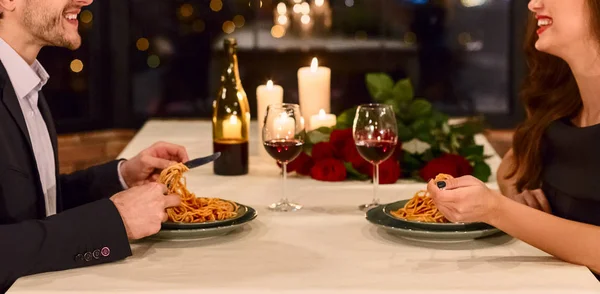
196,212
420,211
408,230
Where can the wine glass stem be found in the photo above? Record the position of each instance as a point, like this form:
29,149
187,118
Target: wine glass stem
375,183
283,192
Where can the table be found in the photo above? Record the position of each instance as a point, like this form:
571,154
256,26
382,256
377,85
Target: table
328,247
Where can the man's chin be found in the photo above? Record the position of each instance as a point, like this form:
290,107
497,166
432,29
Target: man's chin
71,44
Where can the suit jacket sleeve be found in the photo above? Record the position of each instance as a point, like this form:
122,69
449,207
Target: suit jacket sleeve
89,185
87,235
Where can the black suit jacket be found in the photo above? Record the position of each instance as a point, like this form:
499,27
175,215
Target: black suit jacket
87,229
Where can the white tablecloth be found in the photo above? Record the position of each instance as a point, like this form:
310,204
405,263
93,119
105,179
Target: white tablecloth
328,247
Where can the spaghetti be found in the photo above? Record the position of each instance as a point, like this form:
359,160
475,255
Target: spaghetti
422,208
192,209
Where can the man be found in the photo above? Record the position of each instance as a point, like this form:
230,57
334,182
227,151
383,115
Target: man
48,221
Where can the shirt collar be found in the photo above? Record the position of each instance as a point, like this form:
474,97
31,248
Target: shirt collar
24,77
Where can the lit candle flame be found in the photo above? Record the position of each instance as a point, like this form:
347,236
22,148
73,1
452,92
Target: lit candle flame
319,3
269,85
322,113
233,120
314,65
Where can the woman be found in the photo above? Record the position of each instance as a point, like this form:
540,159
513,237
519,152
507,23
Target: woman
556,151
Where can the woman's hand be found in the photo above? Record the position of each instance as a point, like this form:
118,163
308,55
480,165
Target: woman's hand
464,199
533,198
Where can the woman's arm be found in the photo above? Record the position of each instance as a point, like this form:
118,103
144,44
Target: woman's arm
467,199
570,241
507,186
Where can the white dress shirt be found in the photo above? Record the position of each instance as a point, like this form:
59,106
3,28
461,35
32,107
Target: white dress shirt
28,80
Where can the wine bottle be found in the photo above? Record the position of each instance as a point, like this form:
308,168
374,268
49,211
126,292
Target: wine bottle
231,118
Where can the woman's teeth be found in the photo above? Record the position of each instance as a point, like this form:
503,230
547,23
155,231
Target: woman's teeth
544,22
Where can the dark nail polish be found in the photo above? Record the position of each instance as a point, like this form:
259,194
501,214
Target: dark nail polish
441,184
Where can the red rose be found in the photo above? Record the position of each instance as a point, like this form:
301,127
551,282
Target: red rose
389,171
350,154
302,164
341,138
323,150
398,151
330,170
452,164
463,167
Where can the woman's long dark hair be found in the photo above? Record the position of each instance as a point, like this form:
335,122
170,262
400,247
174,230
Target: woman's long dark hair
549,93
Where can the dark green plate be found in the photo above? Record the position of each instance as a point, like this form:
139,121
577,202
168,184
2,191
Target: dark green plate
378,217
242,210
388,208
208,232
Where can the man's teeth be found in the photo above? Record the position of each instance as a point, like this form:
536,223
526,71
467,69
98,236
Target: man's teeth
544,22
71,16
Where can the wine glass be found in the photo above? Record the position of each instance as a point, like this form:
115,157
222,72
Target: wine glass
283,138
375,135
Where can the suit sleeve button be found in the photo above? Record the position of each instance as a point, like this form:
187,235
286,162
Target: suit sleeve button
105,251
87,256
96,254
79,257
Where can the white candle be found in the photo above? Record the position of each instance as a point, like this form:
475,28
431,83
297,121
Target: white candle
322,120
266,95
314,86
284,127
232,128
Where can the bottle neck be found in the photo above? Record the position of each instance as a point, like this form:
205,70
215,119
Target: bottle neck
232,73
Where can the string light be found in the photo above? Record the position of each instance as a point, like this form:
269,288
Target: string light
142,44
239,21
305,19
76,66
216,5
198,26
282,20
277,31
186,10
281,8
153,61
86,16
410,38
228,27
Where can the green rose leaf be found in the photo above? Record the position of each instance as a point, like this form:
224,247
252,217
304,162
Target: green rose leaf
352,172
410,162
324,130
426,137
404,132
346,119
482,171
403,91
428,155
315,136
419,108
473,150
380,86
438,117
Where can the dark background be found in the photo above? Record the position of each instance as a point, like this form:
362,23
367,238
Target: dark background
463,55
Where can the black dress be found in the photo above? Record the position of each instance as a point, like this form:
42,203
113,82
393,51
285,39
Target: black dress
571,165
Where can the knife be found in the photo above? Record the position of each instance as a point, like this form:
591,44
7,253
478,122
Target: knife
202,160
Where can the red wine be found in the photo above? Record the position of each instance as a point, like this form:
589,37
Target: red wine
234,157
284,150
375,151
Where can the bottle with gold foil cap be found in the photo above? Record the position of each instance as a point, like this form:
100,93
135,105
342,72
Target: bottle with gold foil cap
231,118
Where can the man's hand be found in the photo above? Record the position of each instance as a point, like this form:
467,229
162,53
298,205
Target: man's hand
143,208
146,166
